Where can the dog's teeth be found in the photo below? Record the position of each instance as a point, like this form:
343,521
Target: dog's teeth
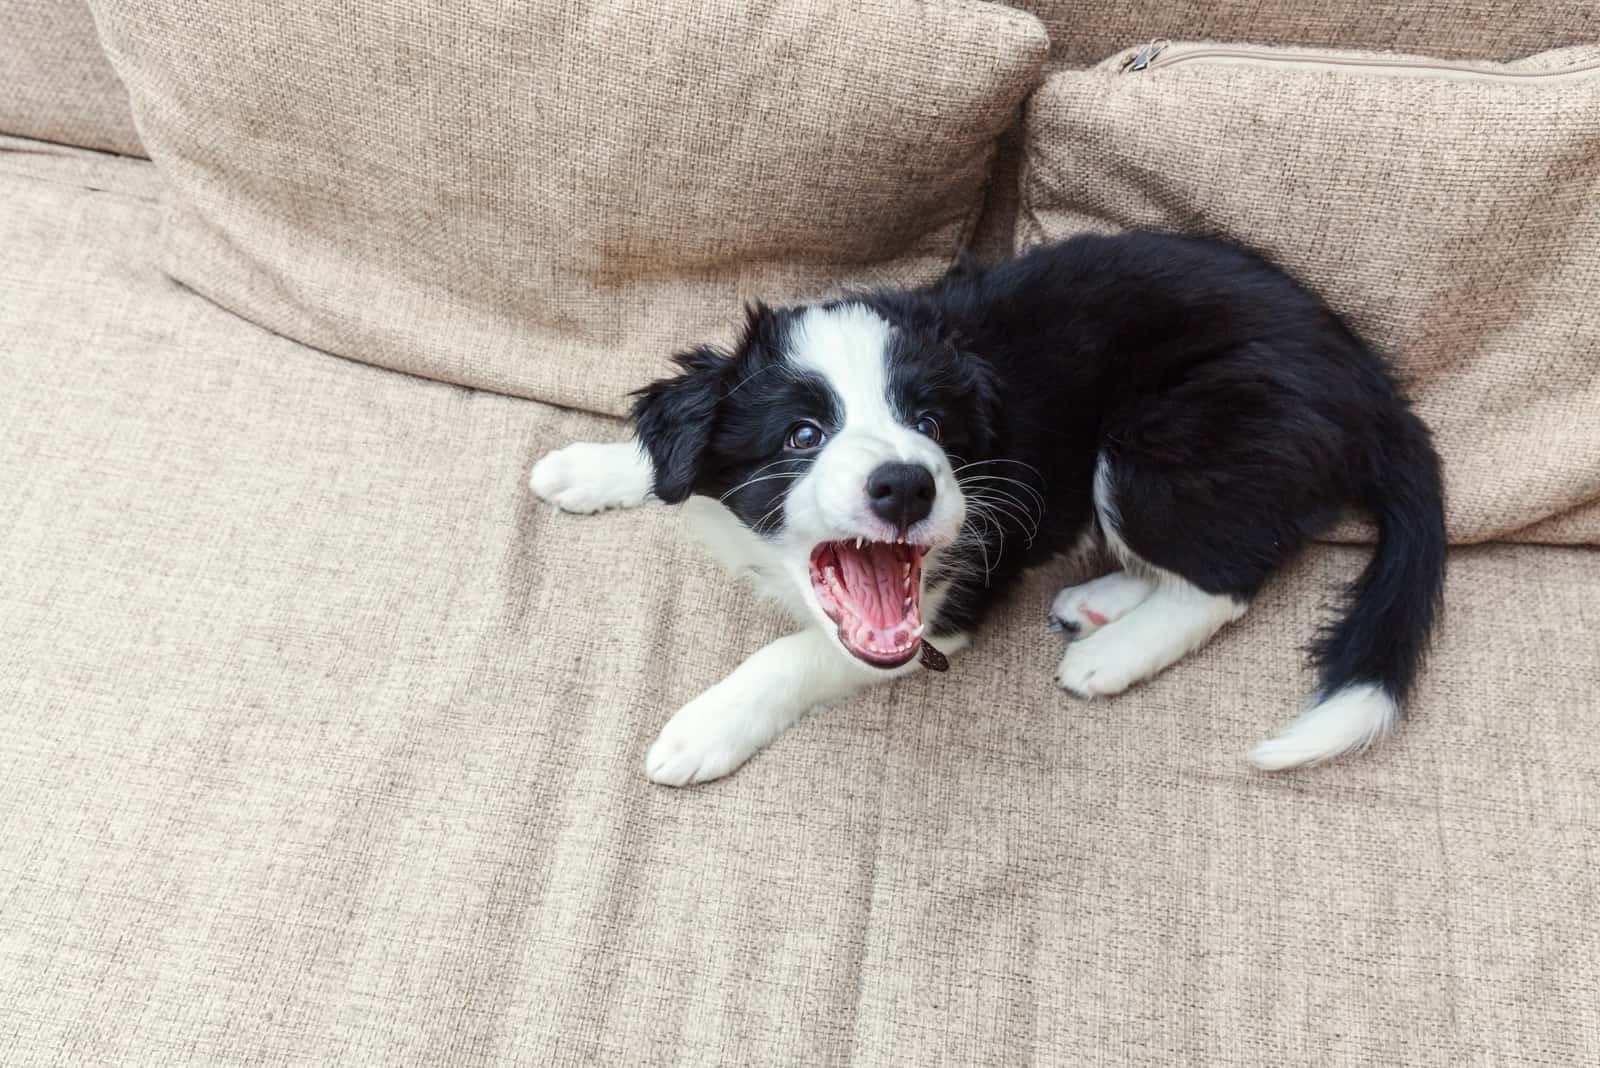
905,569
908,602
918,632
835,587
829,572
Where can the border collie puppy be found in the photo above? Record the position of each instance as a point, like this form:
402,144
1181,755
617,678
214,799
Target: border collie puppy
888,463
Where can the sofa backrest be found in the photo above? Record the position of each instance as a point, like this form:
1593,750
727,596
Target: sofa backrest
56,85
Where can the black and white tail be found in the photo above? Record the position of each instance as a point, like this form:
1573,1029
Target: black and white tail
1368,659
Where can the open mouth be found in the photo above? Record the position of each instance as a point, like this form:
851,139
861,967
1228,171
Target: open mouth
872,590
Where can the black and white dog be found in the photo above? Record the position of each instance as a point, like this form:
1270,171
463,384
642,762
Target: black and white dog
888,463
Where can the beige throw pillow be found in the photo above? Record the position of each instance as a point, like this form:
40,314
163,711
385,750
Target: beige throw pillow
548,199
1450,210
55,82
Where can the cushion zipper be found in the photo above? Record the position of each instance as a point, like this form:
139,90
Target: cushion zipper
1161,53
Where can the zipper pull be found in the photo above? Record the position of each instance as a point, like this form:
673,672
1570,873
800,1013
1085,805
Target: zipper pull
1145,55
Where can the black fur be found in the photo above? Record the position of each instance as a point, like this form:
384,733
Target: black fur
1238,415
711,428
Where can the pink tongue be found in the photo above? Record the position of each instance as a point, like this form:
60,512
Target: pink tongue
875,578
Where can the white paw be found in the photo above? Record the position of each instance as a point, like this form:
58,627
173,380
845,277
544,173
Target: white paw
1082,610
706,739
591,477
1100,666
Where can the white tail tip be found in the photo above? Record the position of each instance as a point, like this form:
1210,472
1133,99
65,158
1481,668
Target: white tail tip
1351,719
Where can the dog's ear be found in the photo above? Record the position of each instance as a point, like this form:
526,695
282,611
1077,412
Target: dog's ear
762,326
673,418
980,383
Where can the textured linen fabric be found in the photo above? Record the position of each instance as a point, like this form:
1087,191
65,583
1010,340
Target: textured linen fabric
1456,223
1083,32
55,81
323,743
549,199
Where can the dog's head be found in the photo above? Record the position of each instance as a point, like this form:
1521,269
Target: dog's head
833,432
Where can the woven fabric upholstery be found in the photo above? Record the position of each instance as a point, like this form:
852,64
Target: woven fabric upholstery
323,743
55,81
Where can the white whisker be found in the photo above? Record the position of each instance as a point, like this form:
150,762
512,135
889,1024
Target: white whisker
1037,496
1022,519
777,508
1010,506
758,477
755,481
981,463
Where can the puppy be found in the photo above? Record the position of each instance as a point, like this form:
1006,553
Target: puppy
887,464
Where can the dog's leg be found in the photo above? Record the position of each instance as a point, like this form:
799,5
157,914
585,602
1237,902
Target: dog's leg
1081,610
591,476
1173,621
723,727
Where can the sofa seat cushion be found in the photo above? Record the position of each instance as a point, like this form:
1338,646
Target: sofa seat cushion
323,742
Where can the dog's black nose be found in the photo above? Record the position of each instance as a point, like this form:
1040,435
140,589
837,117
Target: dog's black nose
901,494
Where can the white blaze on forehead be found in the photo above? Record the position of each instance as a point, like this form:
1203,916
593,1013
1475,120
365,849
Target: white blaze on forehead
847,346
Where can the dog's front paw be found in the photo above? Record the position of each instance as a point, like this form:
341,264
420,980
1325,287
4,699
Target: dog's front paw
1100,665
591,477
705,740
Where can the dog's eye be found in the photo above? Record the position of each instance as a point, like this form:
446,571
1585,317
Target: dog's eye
927,425
805,436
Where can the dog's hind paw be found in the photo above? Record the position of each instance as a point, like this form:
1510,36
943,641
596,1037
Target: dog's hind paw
1082,610
1096,667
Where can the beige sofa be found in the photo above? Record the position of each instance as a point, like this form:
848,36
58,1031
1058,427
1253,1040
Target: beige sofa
321,740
